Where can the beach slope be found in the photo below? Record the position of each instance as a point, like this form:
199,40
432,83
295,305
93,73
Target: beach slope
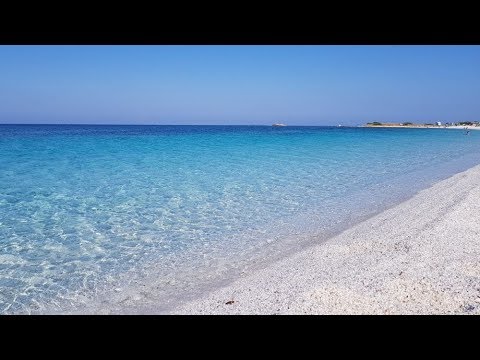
419,257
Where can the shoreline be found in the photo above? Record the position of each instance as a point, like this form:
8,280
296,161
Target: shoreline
427,264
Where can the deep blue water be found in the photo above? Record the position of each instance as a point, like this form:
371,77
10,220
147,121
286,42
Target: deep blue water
82,207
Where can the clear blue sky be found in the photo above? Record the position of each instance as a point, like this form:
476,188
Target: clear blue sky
304,85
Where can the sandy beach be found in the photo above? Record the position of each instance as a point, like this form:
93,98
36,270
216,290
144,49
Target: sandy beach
419,257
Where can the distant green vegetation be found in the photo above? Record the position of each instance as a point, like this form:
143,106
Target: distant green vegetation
407,123
466,123
375,123
428,124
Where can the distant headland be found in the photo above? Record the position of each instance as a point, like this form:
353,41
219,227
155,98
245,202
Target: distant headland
436,124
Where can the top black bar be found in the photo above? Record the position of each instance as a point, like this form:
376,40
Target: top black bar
293,37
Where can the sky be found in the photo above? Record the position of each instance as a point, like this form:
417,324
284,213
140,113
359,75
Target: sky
252,85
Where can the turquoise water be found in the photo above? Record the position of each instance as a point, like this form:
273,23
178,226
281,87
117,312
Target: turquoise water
86,209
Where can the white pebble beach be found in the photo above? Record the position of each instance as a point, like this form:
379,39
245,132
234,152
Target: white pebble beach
419,257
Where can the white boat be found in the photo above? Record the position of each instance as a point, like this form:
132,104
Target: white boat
279,125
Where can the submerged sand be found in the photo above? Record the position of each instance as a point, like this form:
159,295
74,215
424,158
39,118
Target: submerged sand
419,257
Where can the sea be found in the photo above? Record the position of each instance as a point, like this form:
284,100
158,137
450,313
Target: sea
138,219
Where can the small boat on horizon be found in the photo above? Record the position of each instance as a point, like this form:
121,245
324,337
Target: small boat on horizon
277,125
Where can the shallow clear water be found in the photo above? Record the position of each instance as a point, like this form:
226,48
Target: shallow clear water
83,209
